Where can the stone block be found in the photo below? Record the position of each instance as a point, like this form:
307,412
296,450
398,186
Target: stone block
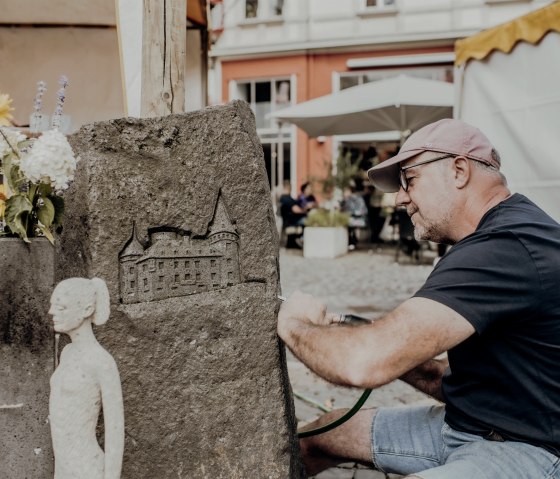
26,358
174,213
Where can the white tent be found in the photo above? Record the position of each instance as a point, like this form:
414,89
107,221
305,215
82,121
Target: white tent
401,103
507,81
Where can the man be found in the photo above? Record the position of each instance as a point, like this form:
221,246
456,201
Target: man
492,302
292,215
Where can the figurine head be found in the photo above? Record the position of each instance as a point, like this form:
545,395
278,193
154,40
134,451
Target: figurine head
76,300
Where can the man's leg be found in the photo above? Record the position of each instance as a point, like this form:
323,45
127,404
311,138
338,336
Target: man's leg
349,442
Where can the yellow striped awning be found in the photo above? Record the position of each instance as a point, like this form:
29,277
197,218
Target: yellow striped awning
528,28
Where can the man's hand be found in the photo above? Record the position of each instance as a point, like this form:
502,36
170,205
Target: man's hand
303,309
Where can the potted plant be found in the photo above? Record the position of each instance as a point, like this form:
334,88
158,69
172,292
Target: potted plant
35,172
325,234
326,229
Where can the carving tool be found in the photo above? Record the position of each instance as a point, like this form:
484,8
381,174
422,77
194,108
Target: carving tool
344,318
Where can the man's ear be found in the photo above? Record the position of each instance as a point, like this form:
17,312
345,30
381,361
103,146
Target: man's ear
462,170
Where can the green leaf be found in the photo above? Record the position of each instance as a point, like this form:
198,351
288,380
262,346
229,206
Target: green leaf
18,209
45,213
58,202
47,233
44,189
12,172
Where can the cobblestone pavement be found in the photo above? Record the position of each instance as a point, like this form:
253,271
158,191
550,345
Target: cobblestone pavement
364,282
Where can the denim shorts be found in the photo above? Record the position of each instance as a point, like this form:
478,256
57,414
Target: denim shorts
416,440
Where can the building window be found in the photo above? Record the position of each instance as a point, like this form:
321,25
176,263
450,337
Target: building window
175,264
187,276
187,264
131,270
277,7
132,284
160,265
144,266
213,275
230,275
263,9
197,264
216,286
176,278
212,262
197,277
380,3
441,73
268,96
265,97
251,8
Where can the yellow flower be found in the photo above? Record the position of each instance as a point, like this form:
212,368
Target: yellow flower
5,109
2,201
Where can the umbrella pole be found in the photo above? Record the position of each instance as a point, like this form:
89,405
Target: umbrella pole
280,161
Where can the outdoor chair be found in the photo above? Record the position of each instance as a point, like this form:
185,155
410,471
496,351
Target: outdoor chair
289,232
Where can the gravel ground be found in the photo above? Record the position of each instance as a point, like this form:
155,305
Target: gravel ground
365,282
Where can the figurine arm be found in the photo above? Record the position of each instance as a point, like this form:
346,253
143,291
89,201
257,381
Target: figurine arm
113,417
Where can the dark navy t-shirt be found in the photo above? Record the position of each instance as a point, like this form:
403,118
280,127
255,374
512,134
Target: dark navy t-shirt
505,280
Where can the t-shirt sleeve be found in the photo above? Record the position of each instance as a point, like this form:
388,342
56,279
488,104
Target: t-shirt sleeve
487,278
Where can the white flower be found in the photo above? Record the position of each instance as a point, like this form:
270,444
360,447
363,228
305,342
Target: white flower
51,161
14,137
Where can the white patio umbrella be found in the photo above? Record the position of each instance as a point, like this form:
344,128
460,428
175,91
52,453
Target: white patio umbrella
401,103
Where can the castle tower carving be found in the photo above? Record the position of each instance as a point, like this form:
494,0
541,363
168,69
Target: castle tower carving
176,264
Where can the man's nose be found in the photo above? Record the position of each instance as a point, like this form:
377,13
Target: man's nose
402,198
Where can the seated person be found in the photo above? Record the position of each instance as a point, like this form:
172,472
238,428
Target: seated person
354,205
292,215
306,200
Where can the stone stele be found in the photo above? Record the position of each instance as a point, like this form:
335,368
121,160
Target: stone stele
174,213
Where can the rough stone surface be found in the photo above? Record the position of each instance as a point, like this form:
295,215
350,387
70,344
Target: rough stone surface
205,386
26,358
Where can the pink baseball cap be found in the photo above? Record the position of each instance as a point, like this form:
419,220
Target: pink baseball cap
444,136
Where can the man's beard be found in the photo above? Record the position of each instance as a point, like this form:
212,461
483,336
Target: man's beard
432,230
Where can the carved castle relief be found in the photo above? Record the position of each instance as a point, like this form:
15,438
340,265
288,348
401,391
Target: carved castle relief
176,264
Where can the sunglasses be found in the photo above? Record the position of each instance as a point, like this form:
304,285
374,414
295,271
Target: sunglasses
403,180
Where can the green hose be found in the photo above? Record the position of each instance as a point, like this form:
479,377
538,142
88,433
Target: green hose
347,319
341,420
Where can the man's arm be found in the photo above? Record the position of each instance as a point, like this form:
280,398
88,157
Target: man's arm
427,376
298,209
371,355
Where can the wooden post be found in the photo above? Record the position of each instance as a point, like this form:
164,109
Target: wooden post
164,39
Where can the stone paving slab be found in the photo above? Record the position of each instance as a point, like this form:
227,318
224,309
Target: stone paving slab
366,282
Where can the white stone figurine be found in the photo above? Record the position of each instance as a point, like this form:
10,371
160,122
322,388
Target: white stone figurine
86,379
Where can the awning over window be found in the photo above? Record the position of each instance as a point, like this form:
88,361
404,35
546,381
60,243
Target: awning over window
529,28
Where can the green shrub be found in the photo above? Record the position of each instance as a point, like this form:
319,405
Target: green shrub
327,218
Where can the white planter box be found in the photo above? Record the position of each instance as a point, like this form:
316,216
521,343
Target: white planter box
319,242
